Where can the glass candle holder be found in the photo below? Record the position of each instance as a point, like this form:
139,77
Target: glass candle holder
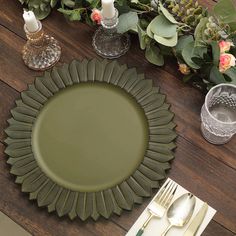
107,42
41,51
218,114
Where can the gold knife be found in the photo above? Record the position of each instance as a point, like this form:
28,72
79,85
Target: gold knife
197,221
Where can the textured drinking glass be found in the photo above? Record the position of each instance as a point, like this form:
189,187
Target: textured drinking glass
218,114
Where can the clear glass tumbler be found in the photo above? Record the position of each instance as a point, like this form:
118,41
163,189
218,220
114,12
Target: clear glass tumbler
218,114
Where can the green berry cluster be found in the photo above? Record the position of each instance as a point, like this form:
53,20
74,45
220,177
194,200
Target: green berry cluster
187,11
215,30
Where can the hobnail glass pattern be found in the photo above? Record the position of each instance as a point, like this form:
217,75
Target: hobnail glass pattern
107,42
41,51
219,129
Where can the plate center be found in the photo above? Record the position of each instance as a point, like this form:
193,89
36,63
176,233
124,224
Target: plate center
90,137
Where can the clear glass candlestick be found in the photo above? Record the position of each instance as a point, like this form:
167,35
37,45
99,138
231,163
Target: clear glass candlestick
218,114
107,42
41,50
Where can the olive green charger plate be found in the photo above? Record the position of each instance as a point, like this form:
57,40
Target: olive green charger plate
90,138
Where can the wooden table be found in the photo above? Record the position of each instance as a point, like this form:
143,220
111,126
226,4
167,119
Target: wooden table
206,170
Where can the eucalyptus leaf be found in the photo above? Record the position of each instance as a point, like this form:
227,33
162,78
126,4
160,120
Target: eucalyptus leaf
161,26
149,32
182,42
134,29
200,51
88,19
144,1
68,3
121,7
93,3
141,34
215,52
167,14
232,26
143,23
216,76
53,3
199,32
207,57
127,21
190,51
72,14
169,42
233,49
39,13
34,3
166,51
225,10
120,2
232,74
43,6
198,61
153,55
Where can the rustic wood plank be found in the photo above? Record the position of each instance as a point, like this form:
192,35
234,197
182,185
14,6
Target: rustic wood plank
214,229
36,220
12,16
203,162
7,101
12,70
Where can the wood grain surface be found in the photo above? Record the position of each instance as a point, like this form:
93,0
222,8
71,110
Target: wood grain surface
208,171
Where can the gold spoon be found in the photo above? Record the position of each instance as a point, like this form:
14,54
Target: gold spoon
180,211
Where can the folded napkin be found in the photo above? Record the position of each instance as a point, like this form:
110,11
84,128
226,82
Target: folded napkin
157,226
9,228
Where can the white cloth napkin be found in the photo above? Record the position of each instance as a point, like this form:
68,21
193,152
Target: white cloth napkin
157,226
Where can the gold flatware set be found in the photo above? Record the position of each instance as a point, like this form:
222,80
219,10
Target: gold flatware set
178,213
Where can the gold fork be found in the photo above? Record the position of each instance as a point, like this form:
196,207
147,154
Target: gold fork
160,204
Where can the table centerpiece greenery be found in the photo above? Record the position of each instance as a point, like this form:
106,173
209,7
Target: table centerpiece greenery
202,42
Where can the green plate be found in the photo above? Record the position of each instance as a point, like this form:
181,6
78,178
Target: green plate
90,138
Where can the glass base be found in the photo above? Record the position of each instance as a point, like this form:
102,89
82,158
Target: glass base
110,45
212,138
44,56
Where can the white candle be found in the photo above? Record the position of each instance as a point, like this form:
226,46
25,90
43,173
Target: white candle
108,9
30,21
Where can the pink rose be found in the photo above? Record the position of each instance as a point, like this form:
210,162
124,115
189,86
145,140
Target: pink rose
226,61
225,46
96,16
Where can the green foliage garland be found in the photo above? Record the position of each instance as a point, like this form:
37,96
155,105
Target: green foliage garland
182,28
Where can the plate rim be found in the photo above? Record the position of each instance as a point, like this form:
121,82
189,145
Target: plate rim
148,176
